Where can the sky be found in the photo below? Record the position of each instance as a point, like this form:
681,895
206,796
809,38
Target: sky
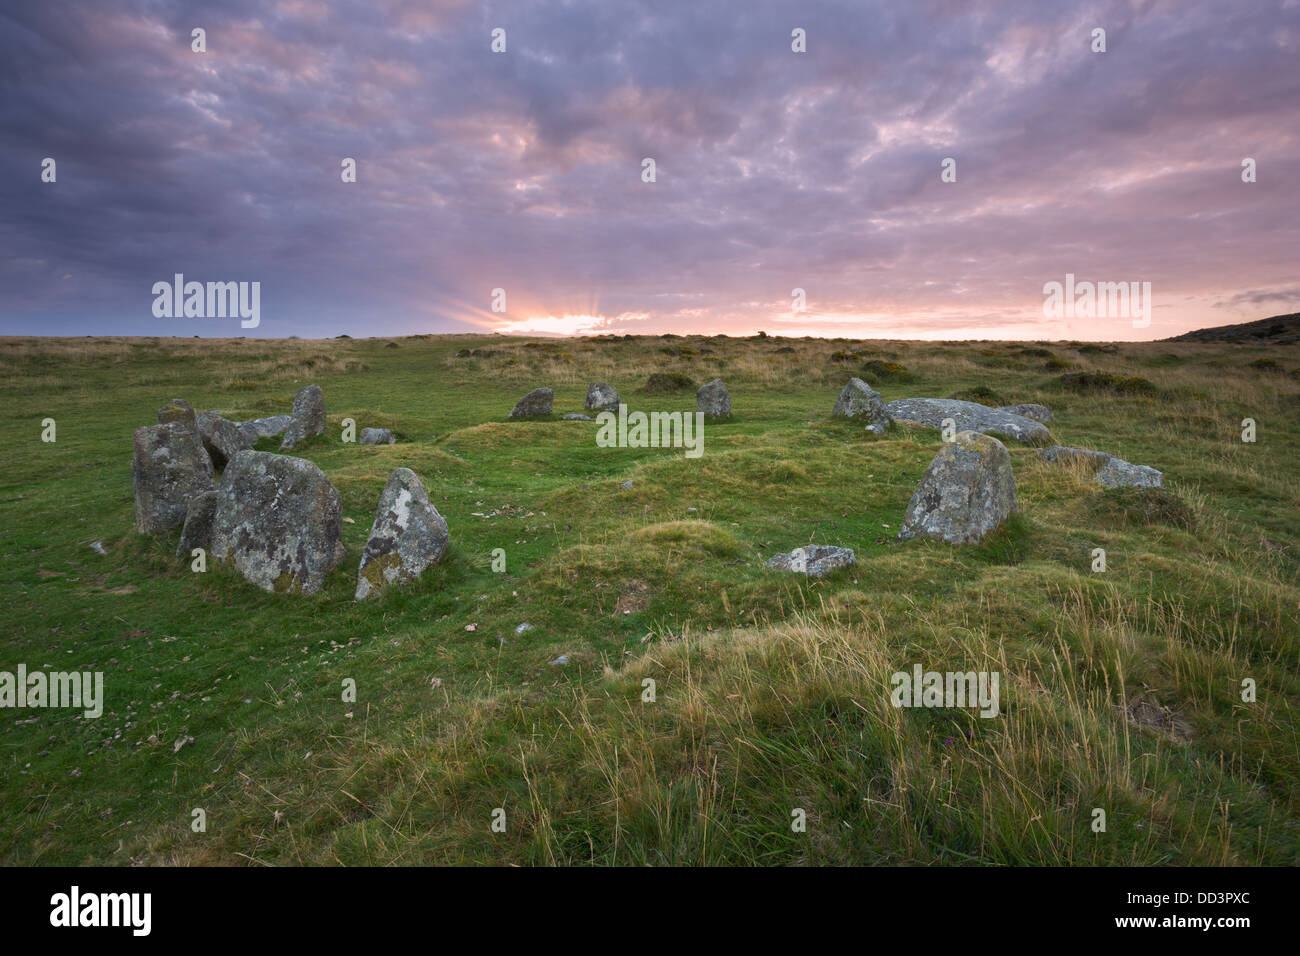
774,170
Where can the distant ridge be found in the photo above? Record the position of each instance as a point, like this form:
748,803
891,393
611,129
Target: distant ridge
1278,329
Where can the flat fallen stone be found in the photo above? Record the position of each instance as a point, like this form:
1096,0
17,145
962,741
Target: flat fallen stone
1065,455
1039,413
1118,473
968,490
265,427
575,417
308,417
377,436
1110,471
813,559
408,535
861,402
169,468
968,416
278,520
537,402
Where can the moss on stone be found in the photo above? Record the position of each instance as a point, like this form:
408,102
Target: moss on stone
286,583
373,571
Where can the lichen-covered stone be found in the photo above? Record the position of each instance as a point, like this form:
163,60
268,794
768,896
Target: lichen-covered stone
813,559
967,491
713,399
1110,471
1118,473
861,402
169,468
1039,413
602,398
308,416
177,410
222,439
537,402
197,532
968,416
264,427
1084,456
377,436
408,535
279,521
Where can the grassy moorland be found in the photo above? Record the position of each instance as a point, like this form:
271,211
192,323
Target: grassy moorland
1120,690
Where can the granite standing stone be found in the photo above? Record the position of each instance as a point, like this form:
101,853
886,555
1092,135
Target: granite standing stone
408,535
861,402
537,402
169,468
308,417
197,532
713,399
967,491
602,398
222,439
279,521
177,410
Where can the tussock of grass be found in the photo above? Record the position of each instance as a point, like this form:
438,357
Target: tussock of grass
1108,382
664,383
878,370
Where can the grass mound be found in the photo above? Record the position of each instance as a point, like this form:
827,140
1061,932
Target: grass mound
878,370
665,383
982,395
1126,507
1109,382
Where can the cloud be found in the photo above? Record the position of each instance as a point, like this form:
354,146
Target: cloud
522,170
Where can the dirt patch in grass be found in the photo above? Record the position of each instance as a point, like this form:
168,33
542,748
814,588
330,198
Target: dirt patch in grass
1163,720
633,600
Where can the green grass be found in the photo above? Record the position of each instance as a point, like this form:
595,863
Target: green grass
771,691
